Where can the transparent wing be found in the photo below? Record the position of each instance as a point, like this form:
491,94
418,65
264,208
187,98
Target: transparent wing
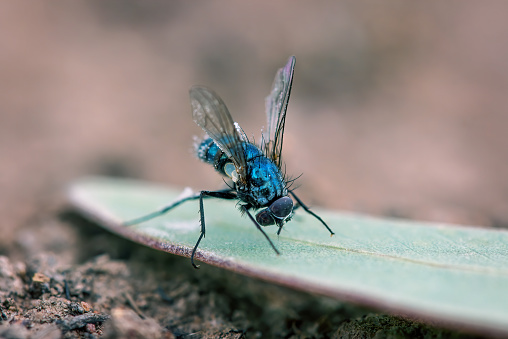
212,115
276,106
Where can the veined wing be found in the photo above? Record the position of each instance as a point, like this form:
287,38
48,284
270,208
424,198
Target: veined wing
276,105
212,115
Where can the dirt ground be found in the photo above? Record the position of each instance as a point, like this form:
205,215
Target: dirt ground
396,110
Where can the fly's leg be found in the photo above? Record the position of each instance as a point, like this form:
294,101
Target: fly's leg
225,194
245,209
165,209
222,194
160,212
279,230
302,205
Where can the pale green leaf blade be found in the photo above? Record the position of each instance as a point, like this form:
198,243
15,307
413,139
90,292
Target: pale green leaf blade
452,274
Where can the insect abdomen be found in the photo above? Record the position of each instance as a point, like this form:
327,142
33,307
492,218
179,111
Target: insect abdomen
208,151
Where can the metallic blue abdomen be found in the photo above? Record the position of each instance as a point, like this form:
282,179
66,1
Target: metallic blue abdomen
208,151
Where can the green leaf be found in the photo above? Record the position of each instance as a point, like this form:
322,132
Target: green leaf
451,274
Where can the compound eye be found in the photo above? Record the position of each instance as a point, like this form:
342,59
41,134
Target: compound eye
264,218
282,207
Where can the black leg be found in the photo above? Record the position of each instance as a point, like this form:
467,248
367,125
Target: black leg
165,209
224,194
159,212
244,209
300,203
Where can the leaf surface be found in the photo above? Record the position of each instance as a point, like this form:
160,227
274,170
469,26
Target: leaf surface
447,273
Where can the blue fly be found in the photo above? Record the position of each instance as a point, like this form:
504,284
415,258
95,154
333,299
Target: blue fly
258,181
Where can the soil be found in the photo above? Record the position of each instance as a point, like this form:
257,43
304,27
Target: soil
389,117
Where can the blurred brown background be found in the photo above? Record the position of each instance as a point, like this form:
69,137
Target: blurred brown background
397,108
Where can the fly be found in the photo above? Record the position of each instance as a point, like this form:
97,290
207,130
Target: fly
257,180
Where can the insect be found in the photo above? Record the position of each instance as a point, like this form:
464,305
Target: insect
258,182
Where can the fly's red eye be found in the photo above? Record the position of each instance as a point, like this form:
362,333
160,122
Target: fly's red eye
264,218
282,207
